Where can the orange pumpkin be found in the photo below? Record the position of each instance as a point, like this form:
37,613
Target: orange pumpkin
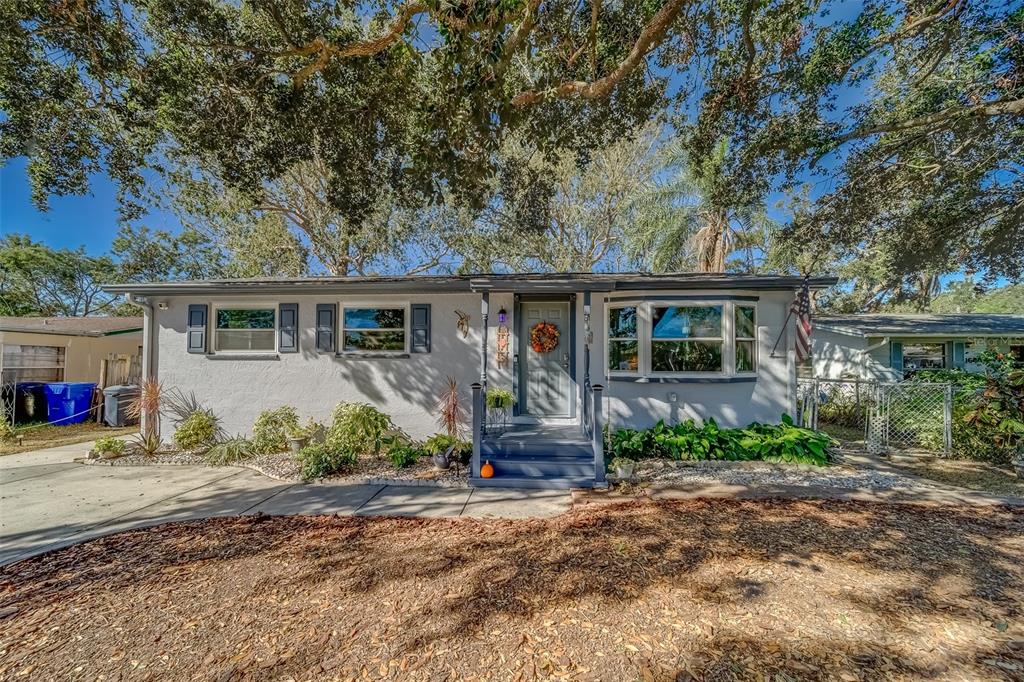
487,471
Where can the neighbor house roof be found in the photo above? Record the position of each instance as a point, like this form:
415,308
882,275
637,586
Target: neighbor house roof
539,282
71,326
965,324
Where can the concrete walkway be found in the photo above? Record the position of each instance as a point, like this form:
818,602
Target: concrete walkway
48,501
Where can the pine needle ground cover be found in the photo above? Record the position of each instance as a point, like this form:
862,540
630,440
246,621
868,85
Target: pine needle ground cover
715,590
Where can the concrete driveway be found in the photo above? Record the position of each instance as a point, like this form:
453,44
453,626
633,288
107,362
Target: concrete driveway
48,500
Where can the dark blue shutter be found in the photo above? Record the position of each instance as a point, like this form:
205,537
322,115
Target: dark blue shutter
896,356
195,331
288,328
958,354
420,328
326,314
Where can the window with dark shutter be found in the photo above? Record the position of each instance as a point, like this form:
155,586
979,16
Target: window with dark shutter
326,316
196,328
420,327
288,328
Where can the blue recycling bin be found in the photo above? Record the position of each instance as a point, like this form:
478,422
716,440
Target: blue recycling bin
68,402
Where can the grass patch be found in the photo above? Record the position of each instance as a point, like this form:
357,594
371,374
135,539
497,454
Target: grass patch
36,437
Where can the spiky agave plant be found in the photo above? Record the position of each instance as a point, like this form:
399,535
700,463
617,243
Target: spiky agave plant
451,414
145,407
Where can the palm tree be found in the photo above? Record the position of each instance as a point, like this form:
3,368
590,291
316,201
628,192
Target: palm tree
694,220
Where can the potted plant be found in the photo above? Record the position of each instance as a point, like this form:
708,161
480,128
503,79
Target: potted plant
623,467
298,436
109,447
499,401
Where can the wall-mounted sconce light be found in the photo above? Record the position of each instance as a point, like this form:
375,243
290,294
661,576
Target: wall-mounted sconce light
502,316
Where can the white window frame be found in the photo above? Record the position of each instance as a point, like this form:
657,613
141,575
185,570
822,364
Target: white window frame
212,326
402,305
726,309
645,317
609,338
736,338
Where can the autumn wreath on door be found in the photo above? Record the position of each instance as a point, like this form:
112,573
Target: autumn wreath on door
543,337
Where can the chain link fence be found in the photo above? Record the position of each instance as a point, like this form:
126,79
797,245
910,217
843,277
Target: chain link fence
907,415
911,415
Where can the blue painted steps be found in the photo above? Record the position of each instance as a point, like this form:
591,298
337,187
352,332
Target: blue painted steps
558,458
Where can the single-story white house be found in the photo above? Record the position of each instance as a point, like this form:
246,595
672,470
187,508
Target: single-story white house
576,350
63,348
890,347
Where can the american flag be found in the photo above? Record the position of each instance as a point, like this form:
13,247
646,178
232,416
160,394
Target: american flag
801,310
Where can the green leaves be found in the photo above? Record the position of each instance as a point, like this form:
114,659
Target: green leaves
687,441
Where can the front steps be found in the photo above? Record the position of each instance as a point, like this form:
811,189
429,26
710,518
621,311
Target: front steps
554,458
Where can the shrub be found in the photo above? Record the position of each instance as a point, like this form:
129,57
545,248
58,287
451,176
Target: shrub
988,411
320,459
271,429
404,455
197,431
440,442
6,430
229,451
109,444
783,442
358,428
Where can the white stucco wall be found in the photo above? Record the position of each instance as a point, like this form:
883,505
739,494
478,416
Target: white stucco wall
838,356
237,388
82,354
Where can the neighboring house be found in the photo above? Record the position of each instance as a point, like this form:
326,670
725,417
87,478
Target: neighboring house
63,348
662,347
893,347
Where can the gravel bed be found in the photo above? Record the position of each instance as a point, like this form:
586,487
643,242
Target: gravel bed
767,473
163,458
283,466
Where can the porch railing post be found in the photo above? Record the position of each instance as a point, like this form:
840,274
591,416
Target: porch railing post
597,434
478,427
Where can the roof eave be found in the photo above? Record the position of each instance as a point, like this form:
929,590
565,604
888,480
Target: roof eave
466,285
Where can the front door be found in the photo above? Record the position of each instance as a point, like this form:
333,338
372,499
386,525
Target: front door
545,378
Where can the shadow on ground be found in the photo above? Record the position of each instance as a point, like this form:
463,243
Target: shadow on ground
714,589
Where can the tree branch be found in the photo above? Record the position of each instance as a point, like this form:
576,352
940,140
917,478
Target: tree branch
326,51
987,109
652,36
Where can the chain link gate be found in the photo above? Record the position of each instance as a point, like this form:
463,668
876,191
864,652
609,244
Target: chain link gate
911,415
905,416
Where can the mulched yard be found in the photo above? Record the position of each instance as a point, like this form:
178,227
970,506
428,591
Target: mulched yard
715,590
968,474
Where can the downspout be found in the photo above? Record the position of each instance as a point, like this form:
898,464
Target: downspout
147,345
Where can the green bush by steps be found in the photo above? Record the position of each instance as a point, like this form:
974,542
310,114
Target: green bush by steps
687,440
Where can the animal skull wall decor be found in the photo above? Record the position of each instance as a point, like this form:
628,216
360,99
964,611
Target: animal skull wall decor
463,324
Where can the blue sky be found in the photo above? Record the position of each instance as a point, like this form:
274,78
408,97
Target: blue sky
89,220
